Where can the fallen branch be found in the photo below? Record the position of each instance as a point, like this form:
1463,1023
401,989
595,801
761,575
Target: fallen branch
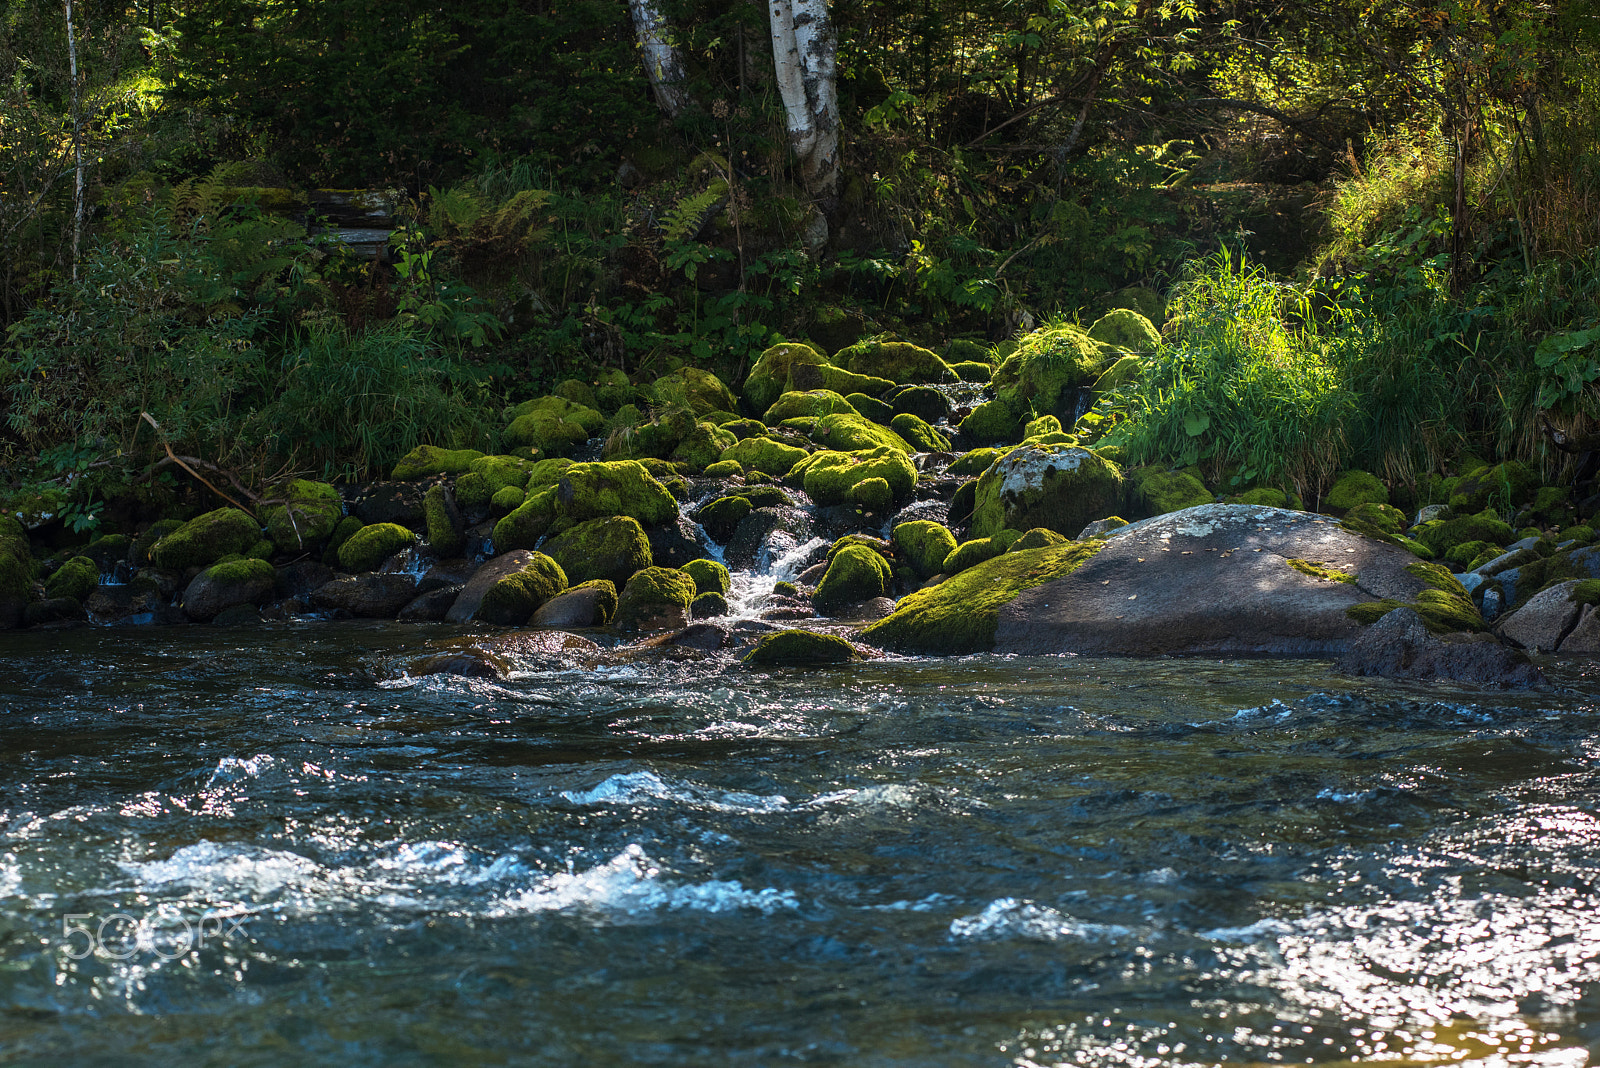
180,461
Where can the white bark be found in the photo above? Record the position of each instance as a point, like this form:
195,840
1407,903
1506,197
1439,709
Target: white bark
803,56
662,64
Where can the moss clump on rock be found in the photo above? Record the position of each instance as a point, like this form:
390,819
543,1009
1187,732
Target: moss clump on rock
488,475
709,576
1038,538
960,614
372,545
698,390
446,531
612,548
1383,517
656,598
1061,487
1353,488
924,545
1153,491
975,462
205,539
708,605
768,378
308,515
1463,554
657,438
703,446
1048,368
1263,495
553,425
991,422
765,455
76,578
848,433
507,500
856,573
898,361
1444,605
829,476
1506,486
813,404
622,487
1127,329
528,522
804,376
800,648
427,460
871,408
872,495
724,469
975,551
1442,535
1124,370
511,601
917,431
1320,571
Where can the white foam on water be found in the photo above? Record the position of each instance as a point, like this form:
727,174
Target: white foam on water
631,884
235,769
1009,918
637,787
215,868
1259,931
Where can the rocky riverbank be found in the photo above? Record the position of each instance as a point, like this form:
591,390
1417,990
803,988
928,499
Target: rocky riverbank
945,507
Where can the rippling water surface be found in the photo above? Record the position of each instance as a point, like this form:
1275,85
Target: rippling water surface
270,846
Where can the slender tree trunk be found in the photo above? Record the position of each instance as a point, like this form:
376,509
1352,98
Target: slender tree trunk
662,64
803,56
77,143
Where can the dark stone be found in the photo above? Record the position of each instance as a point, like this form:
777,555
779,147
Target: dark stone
962,503
471,596
108,604
369,595
1398,646
707,637
765,534
445,574
237,615
299,579
586,607
924,402
52,612
208,595
470,663
430,607
675,543
867,611
386,502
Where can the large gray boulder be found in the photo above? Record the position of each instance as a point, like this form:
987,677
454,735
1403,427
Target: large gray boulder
1217,579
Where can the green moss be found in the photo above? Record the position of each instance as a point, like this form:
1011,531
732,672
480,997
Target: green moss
698,390
488,475
871,408
1059,487
372,545
1441,535
1262,495
708,605
605,601
770,374
1045,424
553,425
745,428
342,533
1353,488
240,571
724,469
848,433
262,549
206,539
799,648
1038,538
829,476
76,578
972,370
963,349
764,454
528,522
518,595
612,390
1581,535
652,594
703,446
970,554
898,361
1124,370
426,460
1586,592
810,405
960,614
785,589
444,538
611,548
921,436
991,422
1049,367
872,495
623,487
709,576
578,392
1126,329
804,376
1153,491
308,515
924,545
1320,571
1503,486
975,462
1444,605
654,439
1384,517
855,574
507,500
1461,554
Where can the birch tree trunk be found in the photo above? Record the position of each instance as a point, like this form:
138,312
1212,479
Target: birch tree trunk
803,56
662,64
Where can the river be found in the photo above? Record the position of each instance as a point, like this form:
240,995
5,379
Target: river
269,845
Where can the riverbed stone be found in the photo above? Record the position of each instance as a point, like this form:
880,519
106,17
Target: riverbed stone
513,598
75,578
1062,487
1224,580
447,528
226,584
1546,618
612,548
921,436
1400,646
430,607
709,576
656,598
702,447
848,433
553,425
924,545
808,376
800,648
205,539
1050,365
308,515
899,361
813,404
855,574
488,475
622,487
369,595
589,604
372,545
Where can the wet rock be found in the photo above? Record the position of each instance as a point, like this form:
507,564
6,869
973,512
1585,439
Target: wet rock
868,611
675,542
307,517
386,502
239,615
612,548
429,607
800,648
760,530
656,598
1101,527
447,528
107,604
204,540
706,637
367,596
53,612
1547,618
1062,487
1398,646
300,579
454,572
471,596
515,596
708,605
471,664
224,585
592,604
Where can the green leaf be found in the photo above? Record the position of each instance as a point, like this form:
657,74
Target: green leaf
1196,424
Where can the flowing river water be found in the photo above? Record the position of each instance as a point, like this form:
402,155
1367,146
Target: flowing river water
269,845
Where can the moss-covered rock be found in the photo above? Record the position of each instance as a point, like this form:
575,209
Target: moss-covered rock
898,361
848,433
1124,370
611,548
553,425
765,455
829,475
205,539
655,439
1040,538
1269,496
871,408
991,422
1048,368
656,598
16,573
612,390
1153,491
427,460
447,532
960,615
1503,487
507,500
708,605
965,349
809,376
975,462
975,551
1036,428
1445,606
1060,487
872,496
745,428
1126,329
972,370
709,576
800,648
855,574
373,544
1353,488
921,436
577,391
488,475
623,487
1461,555
703,446
924,545
698,390
528,522
227,584
76,578
342,533
1442,535
770,375
308,515
722,516
512,600
813,405
1384,517
724,469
